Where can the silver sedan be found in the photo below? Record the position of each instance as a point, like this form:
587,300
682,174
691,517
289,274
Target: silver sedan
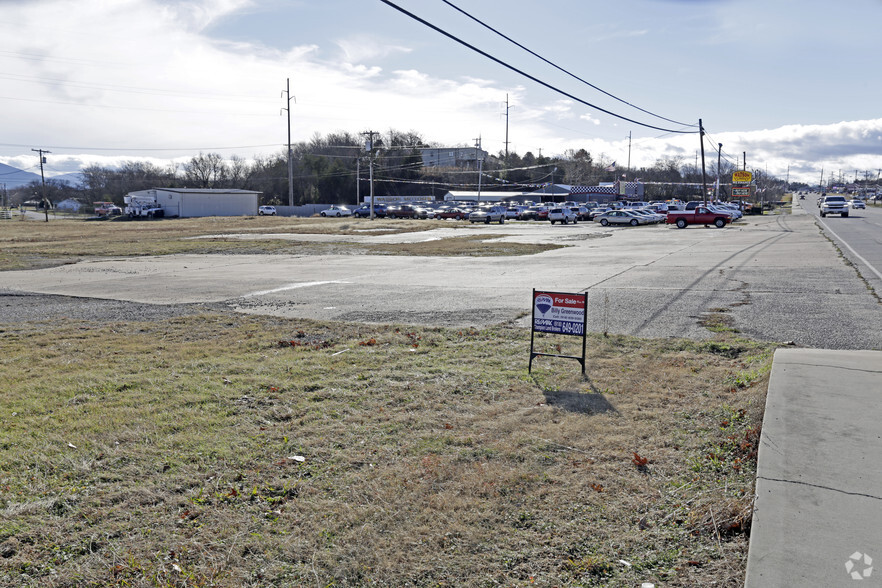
622,217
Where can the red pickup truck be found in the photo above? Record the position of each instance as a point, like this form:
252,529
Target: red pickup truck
699,216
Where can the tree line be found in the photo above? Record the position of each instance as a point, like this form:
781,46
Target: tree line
334,168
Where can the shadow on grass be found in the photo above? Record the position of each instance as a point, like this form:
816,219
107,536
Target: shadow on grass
575,401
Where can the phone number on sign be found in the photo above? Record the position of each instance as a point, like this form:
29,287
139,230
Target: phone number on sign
563,327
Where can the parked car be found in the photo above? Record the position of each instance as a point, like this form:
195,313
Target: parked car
534,213
621,217
488,215
593,212
562,215
454,213
700,216
336,211
402,211
653,217
266,211
364,211
581,212
857,204
513,212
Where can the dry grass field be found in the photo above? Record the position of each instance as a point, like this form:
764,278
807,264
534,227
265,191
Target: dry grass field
251,451
33,244
236,450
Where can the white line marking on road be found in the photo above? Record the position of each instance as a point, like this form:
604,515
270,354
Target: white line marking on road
292,287
856,254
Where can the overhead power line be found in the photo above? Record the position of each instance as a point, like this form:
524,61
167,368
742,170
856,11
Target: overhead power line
554,65
526,75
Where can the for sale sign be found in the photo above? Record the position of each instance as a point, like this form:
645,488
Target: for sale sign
559,313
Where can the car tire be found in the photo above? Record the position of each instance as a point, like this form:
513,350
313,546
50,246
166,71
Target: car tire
634,222
823,214
681,223
323,214
575,221
259,213
501,220
844,215
720,223
487,220
552,222
604,222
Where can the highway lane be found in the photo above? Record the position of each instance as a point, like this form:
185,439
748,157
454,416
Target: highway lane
859,236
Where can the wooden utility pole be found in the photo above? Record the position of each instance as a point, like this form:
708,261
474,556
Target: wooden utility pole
479,164
507,107
290,154
43,178
369,147
703,174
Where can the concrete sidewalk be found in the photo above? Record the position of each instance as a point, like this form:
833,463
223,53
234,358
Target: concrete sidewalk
818,519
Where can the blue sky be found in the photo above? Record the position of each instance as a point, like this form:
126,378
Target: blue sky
793,83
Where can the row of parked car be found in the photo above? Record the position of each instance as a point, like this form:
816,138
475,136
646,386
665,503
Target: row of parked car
616,213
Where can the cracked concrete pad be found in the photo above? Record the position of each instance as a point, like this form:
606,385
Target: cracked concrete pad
819,485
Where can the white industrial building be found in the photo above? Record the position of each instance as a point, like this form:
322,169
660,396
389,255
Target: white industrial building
193,202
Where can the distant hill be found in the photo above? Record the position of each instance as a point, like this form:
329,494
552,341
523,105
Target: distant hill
14,177
74,179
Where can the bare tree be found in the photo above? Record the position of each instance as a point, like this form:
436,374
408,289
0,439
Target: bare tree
205,170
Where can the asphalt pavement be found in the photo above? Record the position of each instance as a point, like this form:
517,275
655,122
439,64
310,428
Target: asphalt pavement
774,278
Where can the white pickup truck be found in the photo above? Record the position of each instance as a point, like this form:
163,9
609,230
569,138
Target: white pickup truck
834,205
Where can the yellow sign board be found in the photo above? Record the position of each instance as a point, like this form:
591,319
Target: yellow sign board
742,177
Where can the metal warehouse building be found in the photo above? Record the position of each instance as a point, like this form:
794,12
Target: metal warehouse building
190,202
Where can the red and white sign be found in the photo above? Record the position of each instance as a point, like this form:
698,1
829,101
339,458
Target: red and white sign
554,312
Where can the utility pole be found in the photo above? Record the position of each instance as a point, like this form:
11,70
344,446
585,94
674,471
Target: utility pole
479,163
703,176
719,157
745,162
628,173
357,180
43,178
369,147
287,92
507,107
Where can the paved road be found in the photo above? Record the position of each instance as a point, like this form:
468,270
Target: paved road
859,236
772,277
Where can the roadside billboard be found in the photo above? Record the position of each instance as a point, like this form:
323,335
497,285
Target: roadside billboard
742,177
